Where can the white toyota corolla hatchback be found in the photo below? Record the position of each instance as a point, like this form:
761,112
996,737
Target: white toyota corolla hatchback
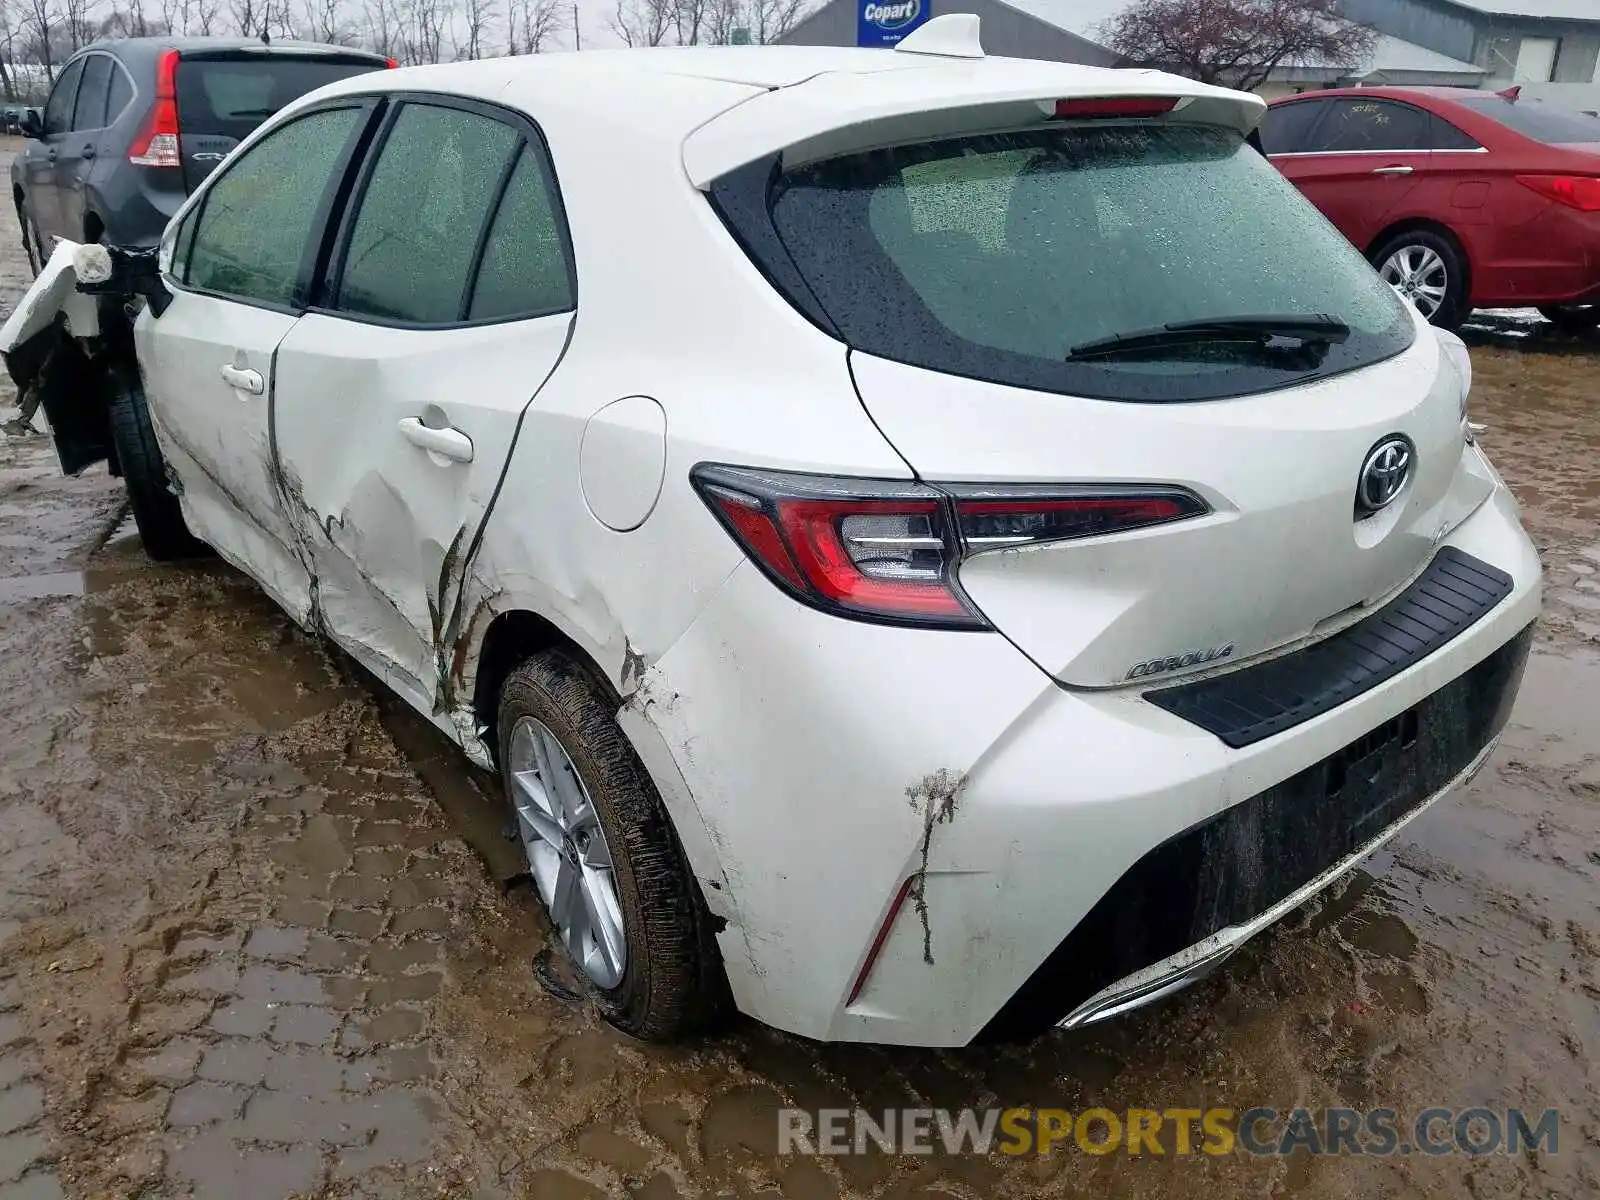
936,548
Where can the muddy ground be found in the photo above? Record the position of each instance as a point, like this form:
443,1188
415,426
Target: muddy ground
254,942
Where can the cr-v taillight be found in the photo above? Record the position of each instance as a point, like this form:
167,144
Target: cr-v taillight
885,550
157,143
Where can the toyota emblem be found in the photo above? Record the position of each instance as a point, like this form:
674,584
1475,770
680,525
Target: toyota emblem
1384,474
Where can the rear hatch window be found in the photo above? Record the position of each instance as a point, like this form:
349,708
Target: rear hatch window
222,98
1020,257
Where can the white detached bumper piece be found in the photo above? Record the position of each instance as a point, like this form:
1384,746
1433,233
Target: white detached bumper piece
55,293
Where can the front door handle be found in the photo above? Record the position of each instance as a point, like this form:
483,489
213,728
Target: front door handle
88,151
243,380
50,154
1392,171
451,443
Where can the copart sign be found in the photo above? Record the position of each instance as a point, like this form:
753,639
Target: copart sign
885,22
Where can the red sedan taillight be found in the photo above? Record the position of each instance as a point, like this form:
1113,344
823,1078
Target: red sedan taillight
1575,191
882,550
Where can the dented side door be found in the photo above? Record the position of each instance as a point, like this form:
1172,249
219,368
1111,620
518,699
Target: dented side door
398,400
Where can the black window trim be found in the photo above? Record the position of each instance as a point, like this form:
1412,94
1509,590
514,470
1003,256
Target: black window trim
329,281
314,255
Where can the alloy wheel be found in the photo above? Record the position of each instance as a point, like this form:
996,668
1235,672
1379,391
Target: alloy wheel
568,855
1420,275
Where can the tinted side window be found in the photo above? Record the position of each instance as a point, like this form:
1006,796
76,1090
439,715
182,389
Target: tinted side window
1286,128
524,270
257,218
1372,125
120,94
90,112
1447,137
58,109
423,209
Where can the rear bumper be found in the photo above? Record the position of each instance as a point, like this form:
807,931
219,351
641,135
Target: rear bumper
1071,853
1554,259
1194,899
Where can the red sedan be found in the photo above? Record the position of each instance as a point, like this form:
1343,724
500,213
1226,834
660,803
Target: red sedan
1461,199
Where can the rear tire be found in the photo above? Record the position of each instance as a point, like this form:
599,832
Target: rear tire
1572,318
155,509
671,982
1430,268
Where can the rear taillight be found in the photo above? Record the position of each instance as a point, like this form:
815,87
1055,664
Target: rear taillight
393,63
157,143
1575,191
882,550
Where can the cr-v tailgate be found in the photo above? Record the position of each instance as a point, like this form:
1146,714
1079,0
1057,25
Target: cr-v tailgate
223,94
1280,552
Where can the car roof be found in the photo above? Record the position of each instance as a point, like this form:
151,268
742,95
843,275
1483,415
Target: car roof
729,105
140,48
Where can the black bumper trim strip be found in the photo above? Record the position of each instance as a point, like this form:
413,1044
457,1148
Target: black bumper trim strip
1253,703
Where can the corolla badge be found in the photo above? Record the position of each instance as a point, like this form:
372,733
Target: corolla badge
1384,474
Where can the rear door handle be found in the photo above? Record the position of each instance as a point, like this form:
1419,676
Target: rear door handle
242,380
451,443
88,151
50,155
1392,171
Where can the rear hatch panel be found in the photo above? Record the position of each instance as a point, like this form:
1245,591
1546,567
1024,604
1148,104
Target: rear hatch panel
1280,554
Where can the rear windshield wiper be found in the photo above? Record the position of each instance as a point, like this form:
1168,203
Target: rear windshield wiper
1301,331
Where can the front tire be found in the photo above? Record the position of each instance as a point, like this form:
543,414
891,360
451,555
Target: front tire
155,509
601,849
1572,318
1430,271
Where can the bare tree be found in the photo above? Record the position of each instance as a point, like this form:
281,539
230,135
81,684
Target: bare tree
533,25
39,19
10,28
1236,42
77,22
641,22
688,20
380,22
248,16
771,19
422,28
325,21
479,16
722,17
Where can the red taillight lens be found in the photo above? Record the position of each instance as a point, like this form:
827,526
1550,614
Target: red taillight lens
879,551
1115,106
995,523
394,63
888,551
1575,191
157,143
